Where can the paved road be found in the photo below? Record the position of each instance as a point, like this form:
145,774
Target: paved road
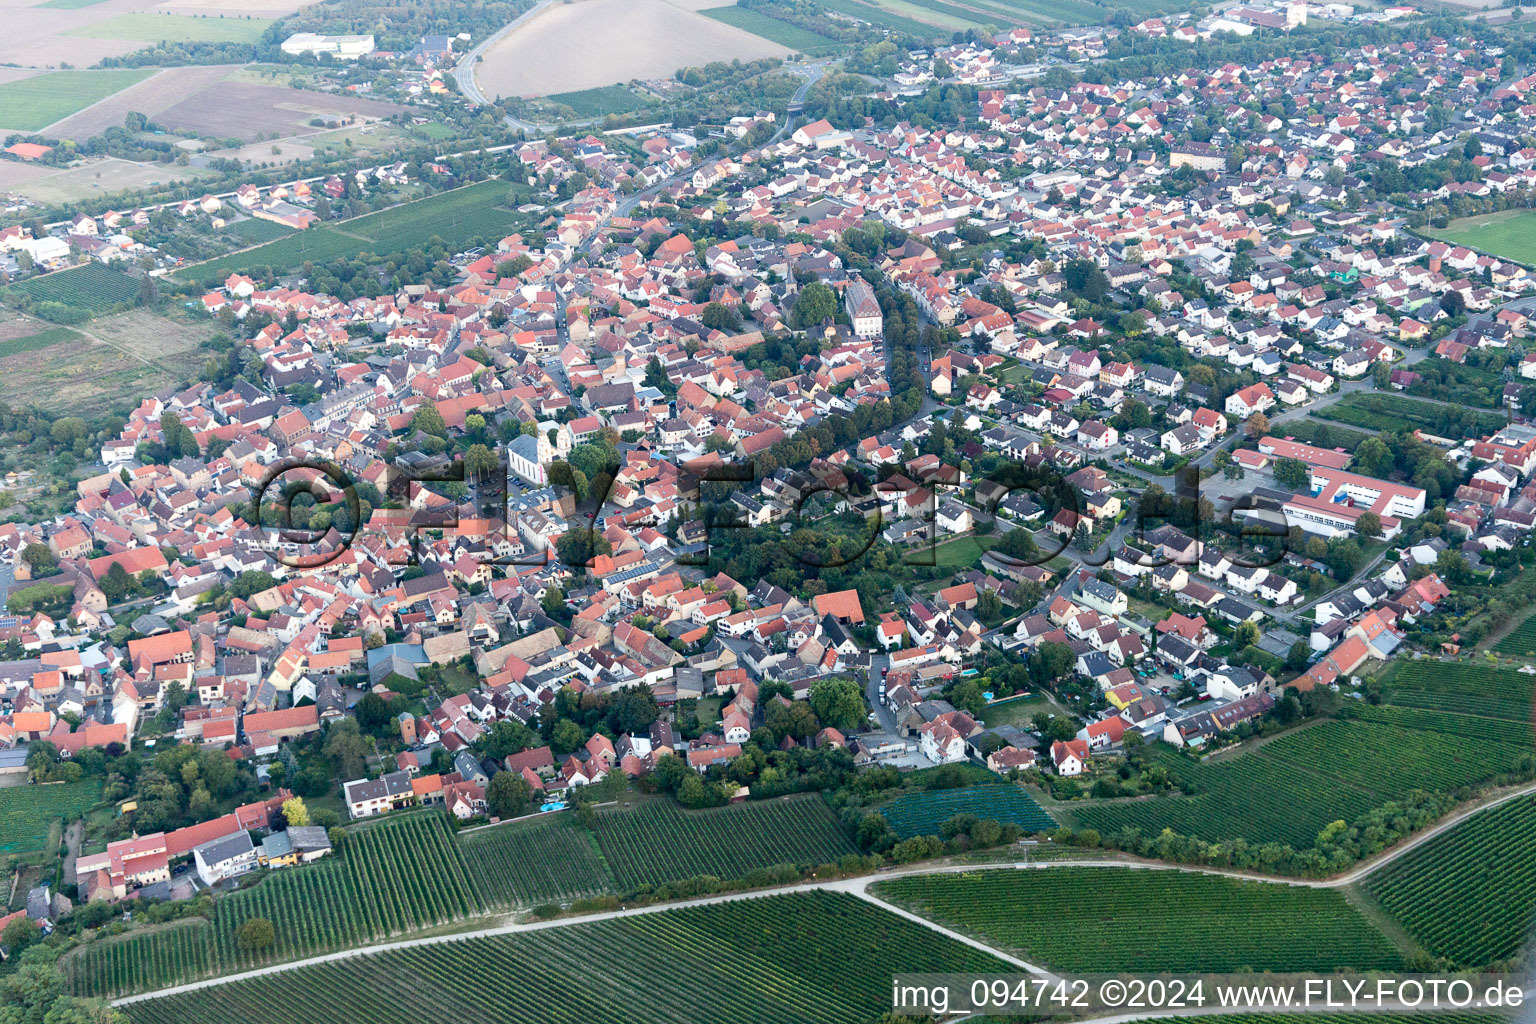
859,887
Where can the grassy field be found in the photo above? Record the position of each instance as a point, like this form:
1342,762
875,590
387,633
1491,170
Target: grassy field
547,860
32,104
1397,412
782,32
69,5
174,28
1510,234
921,814
39,341
1116,919
1469,894
457,217
774,960
876,15
657,842
31,817
607,99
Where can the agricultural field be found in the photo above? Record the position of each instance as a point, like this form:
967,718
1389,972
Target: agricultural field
1519,642
763,960
168,955
877,15
1323,434
396,875
1466,688
76,294
599,102
1120,919
1334,771
1469,894
250,111
457,217
174,28
172,343
77,376
594,43
254,232
548,860
1395,412
657,842
782,32
1510,234
39,341
32,817
32,104
921,814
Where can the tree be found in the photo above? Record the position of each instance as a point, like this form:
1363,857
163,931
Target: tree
720,317
373,712
1296,657
255,934
1453,303
1258,425
1292,474
346,749
577,548
838,703
1085,279
39,557
1368,524
1248,634
19,934
32,992
252,581
1381,374
480,460
508,794
429,421
816,303
294,812
553,601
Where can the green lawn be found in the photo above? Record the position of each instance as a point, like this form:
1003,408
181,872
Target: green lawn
34,103
174,28
1016,711
960,553
1510,234
782,32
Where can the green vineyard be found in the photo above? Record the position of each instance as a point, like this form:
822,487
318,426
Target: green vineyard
921,814
544,861
1519,642
399,874
657,842
1447,725
29,814
457,217
761,960
1121,919
1469,894
1464,689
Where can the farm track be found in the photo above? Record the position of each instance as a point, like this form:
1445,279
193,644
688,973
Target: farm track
858,887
